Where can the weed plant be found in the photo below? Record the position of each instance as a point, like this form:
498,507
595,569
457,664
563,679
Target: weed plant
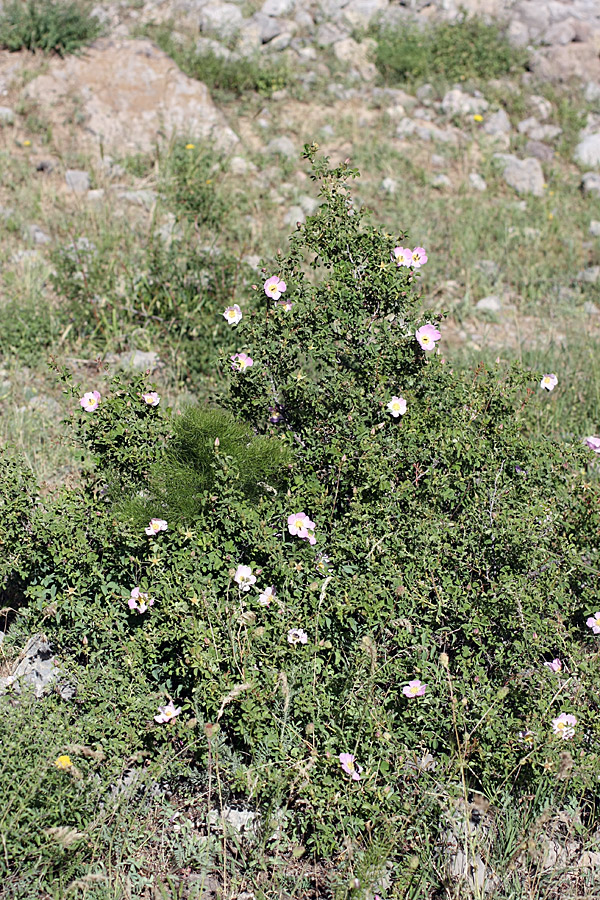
463,50
51,26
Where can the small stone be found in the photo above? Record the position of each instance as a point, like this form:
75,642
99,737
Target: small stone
389,186
282,146
95,196
37,668
560,33
457,102
441,181
425,93
590,275
144,197
295,215
139,360
437,161
207,46
238,165
539,150
77,180
328,34
498,123
277,8
524,175
591,309
268,27
492,304
541,106
38,235
477,182
222,19
592,92
595,228
590,183
587,152
7,116
45,166
309,204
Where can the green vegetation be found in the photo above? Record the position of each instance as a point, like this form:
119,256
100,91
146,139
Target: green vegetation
464,50
223,73
453,549
52,26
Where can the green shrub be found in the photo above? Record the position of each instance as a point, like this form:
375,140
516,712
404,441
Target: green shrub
222,74
59,26
465,49
451,546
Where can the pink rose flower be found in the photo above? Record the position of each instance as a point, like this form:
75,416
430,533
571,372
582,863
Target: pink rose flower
299,524
564,726
402,255
233,314
555,665
151,398
549,382
594,623
414,688
397,406
274,287
593,443
167,713
350,766
241,361
139,600
418,257
90,401
297,636
427,336
154,526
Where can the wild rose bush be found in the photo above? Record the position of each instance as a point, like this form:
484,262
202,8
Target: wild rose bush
409,579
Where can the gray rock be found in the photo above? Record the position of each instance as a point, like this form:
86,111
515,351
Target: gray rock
38,235
425,94
590,183
587,152
294,215
560,33
238,819
328,34
592,92
139,360
492,304
518,33
497,123
238,165
389,186
7,116
456,102
280,42
524,175
595,228
441,181
144,197
477,182
207,46
95,196
221,19
541,151
590,275
268,27
278,8
36,668
282,146
591,309
537,132
77,180
309,204
541,106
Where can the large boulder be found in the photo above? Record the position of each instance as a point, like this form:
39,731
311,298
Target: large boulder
131,95
524,175
587,152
